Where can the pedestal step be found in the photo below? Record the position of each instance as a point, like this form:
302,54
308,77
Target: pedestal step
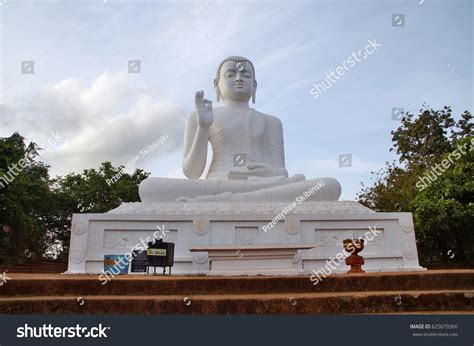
440,290
301,303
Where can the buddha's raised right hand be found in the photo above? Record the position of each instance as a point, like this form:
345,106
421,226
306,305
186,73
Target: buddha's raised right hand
204,113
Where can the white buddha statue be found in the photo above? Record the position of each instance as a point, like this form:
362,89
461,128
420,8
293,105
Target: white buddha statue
248,161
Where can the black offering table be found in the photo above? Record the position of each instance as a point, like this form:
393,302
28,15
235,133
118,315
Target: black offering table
160,254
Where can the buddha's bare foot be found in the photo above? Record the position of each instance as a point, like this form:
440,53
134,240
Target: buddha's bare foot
296,178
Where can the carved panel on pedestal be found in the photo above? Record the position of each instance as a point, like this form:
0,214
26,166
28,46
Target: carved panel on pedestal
246,235
334,237
292,225
124,239
201,226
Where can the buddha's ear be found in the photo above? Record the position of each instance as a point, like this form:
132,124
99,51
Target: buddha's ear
254,93
218,92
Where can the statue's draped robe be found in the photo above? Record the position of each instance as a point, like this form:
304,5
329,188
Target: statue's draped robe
254,135
260,138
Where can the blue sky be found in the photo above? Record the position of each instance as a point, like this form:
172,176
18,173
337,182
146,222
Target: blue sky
81,87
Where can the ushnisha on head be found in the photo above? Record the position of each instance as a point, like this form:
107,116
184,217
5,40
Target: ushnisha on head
235,79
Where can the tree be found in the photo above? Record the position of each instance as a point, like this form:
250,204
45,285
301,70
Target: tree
92,191
25,199
37,210
443,209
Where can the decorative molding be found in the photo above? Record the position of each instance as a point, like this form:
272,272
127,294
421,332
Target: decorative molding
325,238
292,225
297,258
334,237
407,225
200,258
201,225
79,227
122,239
252,208
114,241
77,256
246,235
409,251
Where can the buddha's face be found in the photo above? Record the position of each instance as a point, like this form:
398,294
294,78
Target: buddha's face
236,81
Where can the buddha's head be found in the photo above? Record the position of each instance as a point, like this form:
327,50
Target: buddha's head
235,79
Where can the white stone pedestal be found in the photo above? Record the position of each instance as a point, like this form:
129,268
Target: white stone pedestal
323,224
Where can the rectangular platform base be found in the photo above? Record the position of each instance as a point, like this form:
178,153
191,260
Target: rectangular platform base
390,237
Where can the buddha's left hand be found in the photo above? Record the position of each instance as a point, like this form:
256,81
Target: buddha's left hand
252,169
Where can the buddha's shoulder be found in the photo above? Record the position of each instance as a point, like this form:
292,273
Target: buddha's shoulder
269,118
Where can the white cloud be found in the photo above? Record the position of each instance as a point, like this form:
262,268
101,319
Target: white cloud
111,119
